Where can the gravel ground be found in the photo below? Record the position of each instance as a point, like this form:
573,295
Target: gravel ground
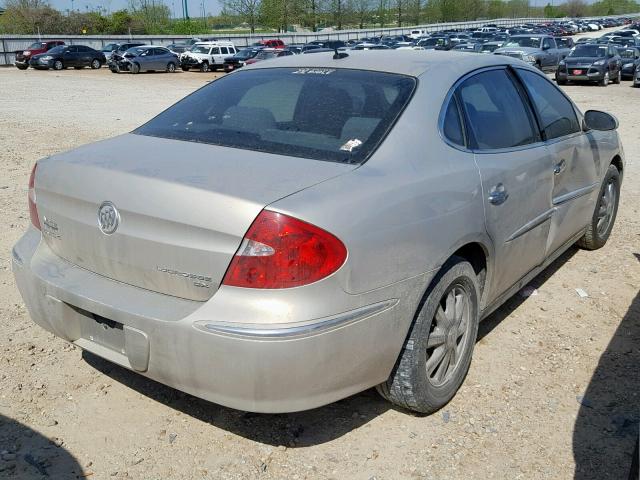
552,391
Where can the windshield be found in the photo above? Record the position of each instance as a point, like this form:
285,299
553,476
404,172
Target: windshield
58,49
110,47
532,42
589,51
200,49
243,54
489,48
135,51
328,114
433,41
627,53
264,55
37,46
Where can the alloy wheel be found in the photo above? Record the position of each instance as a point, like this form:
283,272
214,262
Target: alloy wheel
448,335
606,208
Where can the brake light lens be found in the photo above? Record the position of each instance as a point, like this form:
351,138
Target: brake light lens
33,211
280,251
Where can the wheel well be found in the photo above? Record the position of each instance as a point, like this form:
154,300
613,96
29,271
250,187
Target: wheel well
617,162
475,254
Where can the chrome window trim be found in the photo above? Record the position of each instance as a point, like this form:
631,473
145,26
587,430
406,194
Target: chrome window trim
466,149
576,111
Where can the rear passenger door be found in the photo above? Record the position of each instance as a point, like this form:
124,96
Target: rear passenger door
574,169
70,57
84,56
515,170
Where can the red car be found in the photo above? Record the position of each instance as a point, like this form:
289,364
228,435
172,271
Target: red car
273,43
23,56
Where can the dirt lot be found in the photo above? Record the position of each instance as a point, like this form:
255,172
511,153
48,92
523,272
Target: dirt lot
552,392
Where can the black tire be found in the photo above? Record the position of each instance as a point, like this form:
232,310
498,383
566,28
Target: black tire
204,67
135,68
561,82
410,385
171,67
58,65
96,64
618,78
596,237
22,67
605,79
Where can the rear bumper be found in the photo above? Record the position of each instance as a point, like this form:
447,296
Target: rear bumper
590,74
275,367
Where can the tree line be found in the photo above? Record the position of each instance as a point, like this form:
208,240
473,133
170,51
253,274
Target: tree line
154,16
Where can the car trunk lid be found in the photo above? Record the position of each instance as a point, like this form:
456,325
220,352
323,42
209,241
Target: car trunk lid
183,207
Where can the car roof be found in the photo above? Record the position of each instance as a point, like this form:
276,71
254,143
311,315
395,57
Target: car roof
407,62
214,43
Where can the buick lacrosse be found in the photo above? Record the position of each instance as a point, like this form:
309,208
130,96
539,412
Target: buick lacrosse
316,225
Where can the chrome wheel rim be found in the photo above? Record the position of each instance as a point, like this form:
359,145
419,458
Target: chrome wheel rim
95,64
606,207
449,335
606,78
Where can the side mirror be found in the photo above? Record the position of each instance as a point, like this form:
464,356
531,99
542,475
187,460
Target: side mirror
597,120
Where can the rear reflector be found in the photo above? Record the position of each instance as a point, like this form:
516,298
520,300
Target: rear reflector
280,251
33,211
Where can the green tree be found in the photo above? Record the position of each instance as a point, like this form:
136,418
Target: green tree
246,10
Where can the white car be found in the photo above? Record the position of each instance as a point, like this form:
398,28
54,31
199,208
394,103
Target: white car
207,55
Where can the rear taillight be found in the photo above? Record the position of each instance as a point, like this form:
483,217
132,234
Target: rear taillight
33,211
280,251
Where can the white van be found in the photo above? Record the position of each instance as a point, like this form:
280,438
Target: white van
207,55
418,33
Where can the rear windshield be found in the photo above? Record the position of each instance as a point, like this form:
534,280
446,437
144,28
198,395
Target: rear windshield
338,115
589,51
533,42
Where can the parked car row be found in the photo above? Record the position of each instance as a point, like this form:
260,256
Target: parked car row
544,46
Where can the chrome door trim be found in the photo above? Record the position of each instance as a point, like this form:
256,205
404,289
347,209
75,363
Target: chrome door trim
527,227
284,332
567,197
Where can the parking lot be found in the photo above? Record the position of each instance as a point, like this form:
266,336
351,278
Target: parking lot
553,390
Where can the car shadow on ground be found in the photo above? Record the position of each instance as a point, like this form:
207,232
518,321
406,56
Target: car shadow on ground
27,455
493,320
301,429
606,430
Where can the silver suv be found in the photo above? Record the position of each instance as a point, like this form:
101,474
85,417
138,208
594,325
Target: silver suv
305,229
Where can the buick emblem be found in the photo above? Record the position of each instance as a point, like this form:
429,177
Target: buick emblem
108,218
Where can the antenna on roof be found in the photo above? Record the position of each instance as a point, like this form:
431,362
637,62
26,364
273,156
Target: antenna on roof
338,55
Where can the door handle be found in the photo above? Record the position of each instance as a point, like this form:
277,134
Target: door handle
498,195
559,167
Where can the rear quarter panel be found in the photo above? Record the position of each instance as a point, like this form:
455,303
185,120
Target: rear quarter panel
407,209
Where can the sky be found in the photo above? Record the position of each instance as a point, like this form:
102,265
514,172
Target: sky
195,6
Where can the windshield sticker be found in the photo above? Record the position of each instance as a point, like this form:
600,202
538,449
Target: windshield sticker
314,71
351,145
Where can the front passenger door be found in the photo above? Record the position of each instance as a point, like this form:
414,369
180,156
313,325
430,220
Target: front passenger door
550,58
515,170
575,178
